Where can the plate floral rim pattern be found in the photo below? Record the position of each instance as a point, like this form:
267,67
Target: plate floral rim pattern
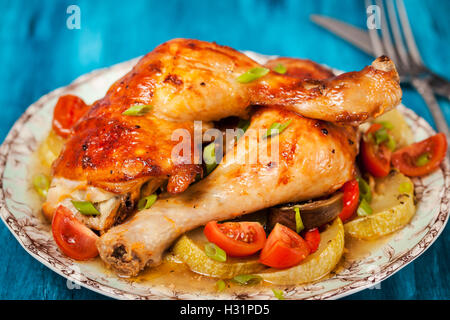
32,233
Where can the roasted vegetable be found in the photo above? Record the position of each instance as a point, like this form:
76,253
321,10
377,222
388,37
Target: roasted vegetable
313,214
238,239
284,248
49,149
316,265
392,208
399,129
421,158
190,249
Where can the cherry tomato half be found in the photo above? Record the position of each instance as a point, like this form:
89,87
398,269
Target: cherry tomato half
68,110
237,239
376,158
312,238
284,248
349,200
433,149
73,238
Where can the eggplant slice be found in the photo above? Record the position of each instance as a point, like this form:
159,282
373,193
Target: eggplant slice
313,213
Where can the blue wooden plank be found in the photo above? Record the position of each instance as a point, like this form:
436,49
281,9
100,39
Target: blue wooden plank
38,54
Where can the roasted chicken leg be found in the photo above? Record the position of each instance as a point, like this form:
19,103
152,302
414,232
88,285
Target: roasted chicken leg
315,158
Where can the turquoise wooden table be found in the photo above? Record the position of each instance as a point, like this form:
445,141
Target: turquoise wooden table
39,53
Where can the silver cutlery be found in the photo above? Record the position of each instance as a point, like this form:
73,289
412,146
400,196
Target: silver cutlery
407,58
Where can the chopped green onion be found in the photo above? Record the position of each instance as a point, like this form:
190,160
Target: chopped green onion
364,190
41,184
243,125
147,202
390,143
279,294
220,284
405,187
280,68
252,75
381,135
298,221
423,159
386,124
364,208
137,110
209,155
247,279
215,253
276,128
85,207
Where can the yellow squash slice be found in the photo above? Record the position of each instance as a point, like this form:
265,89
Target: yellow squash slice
393,208
401,132
316,265
190,249
49,149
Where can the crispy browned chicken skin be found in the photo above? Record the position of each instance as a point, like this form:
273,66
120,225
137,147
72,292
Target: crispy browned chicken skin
196,80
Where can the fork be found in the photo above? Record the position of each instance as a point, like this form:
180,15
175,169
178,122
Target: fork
407,59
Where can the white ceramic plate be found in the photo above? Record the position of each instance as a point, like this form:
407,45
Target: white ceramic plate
20,212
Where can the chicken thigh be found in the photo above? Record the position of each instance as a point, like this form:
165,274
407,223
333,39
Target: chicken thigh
196,80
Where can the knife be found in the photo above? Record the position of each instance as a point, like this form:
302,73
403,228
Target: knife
361,39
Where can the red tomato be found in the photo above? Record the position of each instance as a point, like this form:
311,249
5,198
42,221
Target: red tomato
312,238
237,239
405,158
349,200
376,159
284,248
68,110
73,238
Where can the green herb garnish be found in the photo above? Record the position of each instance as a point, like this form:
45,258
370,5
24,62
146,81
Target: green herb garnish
247,279
41,184
209,156
298,221
215,253
252,75
137,110
381,135
423,159
386,124
279,294
147,202
220,284
280,68
364,190
86,208
390,143
364,208
242,125
405,187
276,128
